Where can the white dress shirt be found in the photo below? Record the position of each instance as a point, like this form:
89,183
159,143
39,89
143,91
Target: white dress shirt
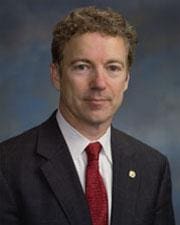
77,143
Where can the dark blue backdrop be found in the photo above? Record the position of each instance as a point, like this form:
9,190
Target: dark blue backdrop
151,109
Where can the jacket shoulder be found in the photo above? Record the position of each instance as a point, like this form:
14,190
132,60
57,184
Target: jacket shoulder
26,138
137,147
26,142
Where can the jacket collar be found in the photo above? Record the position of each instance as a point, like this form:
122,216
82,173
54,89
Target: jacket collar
60,172
125,187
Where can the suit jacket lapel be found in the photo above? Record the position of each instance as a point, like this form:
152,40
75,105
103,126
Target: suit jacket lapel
60,173
126,180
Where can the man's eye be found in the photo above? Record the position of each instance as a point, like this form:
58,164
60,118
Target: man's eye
81,67
114,68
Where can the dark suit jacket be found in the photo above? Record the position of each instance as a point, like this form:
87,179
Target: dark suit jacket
39,184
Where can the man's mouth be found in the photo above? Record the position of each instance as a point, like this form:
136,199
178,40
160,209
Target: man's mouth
97,99
97,103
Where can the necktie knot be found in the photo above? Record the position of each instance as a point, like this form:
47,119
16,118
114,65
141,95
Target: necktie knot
93,151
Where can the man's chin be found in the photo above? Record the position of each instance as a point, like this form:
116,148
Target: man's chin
99,120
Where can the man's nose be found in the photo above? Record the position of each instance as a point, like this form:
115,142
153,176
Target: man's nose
99,79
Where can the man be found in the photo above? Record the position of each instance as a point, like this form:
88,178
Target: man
75,168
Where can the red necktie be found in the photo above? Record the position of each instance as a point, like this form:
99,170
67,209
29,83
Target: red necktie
95,190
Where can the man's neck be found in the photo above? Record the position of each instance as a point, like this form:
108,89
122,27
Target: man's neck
92,131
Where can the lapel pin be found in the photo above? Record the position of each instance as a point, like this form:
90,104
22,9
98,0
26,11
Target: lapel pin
132,173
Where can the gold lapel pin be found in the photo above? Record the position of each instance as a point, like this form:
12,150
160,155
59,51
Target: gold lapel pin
132,173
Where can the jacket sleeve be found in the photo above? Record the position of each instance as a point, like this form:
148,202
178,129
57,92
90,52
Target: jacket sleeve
164,210
8,209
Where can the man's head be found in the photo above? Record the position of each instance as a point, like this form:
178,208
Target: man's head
90,20
92,52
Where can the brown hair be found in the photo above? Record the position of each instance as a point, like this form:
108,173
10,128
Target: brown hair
92,19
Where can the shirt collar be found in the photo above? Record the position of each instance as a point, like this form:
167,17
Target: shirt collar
76,142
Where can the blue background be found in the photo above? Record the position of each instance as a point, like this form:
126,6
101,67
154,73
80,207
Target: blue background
151,110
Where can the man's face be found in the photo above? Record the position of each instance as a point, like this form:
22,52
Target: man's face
94,76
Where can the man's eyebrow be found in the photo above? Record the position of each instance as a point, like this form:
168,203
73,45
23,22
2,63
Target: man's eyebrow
116,61
80,60
89,61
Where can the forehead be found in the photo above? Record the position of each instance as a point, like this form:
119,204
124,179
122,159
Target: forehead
95,45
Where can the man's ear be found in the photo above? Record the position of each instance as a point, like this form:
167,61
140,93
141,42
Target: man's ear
126,82
55,76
